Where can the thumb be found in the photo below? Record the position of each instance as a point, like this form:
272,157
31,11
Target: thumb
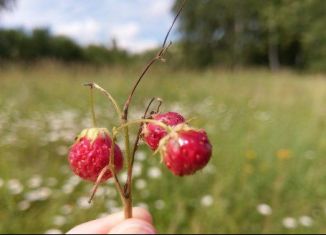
133,226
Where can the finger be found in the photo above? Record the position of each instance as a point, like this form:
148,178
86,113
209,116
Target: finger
133,226
104,225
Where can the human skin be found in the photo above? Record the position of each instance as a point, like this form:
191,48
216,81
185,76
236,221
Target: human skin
141,223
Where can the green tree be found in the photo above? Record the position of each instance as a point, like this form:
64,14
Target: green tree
218,31
237,32
63,48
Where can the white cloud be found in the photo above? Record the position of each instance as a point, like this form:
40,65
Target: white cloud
128,37
84,31
136,24
128,30
159,8
138,45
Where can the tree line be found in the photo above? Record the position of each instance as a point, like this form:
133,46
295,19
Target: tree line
231,33
274,33
19,45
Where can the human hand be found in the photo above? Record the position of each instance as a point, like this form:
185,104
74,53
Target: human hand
141,223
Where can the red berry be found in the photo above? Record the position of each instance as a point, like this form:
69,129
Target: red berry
186,151
91,153
152,133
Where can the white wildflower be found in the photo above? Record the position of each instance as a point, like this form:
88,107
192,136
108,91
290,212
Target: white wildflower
82,202
124,176
59,220
159,204
66,209
140,155
74,180
15,187
23,205
44,193
53,231
34,182
137,169
38,195
289,223
140,184
154,172
264,209
306,221
207,200
68,188
100,191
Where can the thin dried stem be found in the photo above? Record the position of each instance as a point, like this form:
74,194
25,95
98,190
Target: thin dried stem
91,101
174,20
97,183
158,56
107,94
124,117
137,121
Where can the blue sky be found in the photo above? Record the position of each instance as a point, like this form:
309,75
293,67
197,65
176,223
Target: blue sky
136,24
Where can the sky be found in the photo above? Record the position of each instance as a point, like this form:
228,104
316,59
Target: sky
137,25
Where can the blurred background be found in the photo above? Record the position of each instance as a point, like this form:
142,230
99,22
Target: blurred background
251,72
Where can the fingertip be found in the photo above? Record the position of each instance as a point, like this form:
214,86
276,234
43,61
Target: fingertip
133,226
142,214
105,224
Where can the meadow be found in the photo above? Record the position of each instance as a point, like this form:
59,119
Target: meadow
266,174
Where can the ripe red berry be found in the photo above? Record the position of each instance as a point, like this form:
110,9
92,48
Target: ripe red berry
91,153
186,151
152,133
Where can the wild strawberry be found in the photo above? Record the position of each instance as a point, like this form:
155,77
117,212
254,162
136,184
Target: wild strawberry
91,153
186,150
152,133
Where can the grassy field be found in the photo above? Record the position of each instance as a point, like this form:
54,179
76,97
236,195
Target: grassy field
267,173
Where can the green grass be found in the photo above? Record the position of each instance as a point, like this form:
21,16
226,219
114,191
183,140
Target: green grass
269,144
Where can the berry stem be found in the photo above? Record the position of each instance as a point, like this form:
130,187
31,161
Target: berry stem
112,169
127,186
137,121
126,195
97,183
124,117
159,56
107,94
91,99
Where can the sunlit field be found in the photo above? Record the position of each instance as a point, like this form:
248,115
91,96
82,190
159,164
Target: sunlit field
268,131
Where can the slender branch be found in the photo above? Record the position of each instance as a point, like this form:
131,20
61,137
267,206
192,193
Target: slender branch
158,56
174,20
124,117
107,94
